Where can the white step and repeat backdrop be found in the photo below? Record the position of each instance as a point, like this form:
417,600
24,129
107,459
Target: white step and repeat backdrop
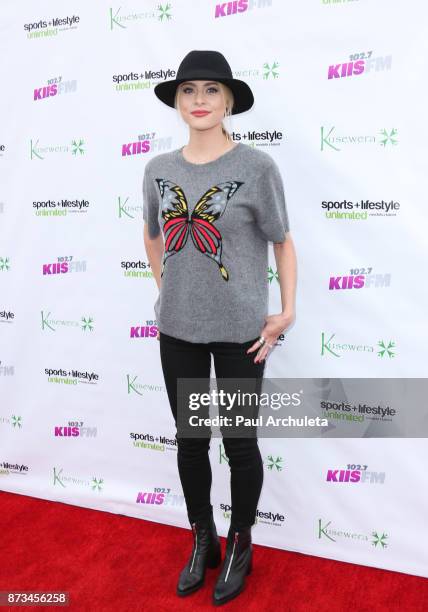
84,416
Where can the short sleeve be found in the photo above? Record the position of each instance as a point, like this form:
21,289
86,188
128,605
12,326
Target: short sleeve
271,207
150,204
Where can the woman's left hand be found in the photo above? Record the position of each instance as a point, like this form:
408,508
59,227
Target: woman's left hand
274,326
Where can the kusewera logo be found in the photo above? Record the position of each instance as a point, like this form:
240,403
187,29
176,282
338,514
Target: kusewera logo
331,141
135,386
39,152
120,19
64,480
50,323
332,348
327,533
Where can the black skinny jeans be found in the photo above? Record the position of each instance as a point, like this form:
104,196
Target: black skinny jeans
182,359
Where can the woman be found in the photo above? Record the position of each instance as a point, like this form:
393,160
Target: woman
210,209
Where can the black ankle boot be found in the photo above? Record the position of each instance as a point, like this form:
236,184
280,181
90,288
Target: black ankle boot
237,564
206,552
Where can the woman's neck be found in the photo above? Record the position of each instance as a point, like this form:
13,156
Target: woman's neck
202,149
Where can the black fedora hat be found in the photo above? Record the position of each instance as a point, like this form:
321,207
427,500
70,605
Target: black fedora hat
209,66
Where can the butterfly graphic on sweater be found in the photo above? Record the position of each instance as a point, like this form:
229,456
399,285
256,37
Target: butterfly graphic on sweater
179,223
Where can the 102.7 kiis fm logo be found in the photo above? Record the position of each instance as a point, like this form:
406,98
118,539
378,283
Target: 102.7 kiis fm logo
75,429
355,474
147,330
64,265
160,496
359,64
54,87
360,278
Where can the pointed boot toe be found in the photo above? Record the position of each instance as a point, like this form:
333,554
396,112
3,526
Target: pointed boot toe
236,566
206,553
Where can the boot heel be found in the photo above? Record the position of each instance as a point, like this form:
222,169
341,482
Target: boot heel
215,559
250,566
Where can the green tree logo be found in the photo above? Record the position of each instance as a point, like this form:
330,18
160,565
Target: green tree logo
388,137
164,12
379,539
4,263
97,484
272,275
386,348
270,70
274,463
16,421
87,323
77,146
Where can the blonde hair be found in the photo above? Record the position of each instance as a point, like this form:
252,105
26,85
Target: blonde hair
228,100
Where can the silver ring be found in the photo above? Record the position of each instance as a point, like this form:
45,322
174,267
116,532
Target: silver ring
261,340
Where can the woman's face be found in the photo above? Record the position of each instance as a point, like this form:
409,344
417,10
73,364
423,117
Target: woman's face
201,103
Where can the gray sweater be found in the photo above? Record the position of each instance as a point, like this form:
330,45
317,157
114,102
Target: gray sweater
216,219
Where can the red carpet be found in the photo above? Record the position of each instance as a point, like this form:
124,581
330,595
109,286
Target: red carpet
111,562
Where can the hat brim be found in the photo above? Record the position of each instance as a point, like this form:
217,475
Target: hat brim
242,93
